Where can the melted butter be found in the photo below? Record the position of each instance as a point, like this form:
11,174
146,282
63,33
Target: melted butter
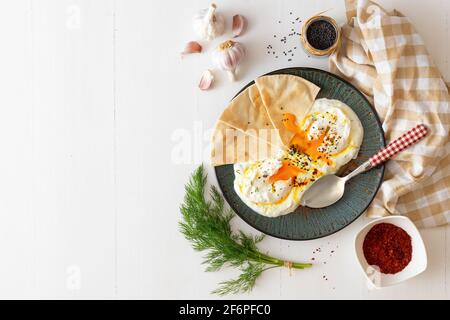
287,171
301,144
345,150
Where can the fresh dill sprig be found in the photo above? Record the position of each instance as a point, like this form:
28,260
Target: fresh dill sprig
206,224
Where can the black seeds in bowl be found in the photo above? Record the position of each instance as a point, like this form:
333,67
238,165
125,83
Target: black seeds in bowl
321,34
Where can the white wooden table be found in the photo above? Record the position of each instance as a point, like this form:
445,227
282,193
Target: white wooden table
93,98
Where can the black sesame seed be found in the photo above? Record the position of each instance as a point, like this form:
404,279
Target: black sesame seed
321,34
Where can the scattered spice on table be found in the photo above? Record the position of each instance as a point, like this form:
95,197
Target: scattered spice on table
288,46
388,247
319,251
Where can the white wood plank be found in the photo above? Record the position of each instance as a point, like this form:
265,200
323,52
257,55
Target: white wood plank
147,62
72,160
17,269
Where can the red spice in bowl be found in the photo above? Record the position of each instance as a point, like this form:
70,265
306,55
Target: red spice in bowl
388,247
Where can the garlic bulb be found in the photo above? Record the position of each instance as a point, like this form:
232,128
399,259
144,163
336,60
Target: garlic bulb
228,56
207,24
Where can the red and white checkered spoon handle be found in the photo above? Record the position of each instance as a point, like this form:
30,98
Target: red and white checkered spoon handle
399,144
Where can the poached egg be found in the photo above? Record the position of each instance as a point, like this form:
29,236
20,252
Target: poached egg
326,139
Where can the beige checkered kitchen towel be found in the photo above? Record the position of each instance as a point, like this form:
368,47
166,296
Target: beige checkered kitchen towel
386,58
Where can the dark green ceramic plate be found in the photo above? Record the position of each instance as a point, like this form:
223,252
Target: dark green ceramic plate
305,223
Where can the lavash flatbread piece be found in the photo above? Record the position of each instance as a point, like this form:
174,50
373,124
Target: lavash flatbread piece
282,94
247,113
251,127
230,145
244,131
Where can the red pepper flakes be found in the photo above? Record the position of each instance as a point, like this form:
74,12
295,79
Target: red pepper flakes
388,247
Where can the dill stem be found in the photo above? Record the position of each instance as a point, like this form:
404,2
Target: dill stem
278,262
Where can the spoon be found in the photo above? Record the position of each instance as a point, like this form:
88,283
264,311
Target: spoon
330,188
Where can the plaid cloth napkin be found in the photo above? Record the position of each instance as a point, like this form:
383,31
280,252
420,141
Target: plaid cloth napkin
386,58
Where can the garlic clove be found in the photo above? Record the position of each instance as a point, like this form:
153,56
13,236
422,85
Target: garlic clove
210,12
206,81
239,25
192,47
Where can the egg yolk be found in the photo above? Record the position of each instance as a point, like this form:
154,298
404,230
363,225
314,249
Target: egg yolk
302,144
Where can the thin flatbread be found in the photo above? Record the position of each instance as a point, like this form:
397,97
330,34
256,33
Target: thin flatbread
229,146
248,114
286,94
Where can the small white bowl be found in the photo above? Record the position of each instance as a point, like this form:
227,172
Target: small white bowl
418,262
